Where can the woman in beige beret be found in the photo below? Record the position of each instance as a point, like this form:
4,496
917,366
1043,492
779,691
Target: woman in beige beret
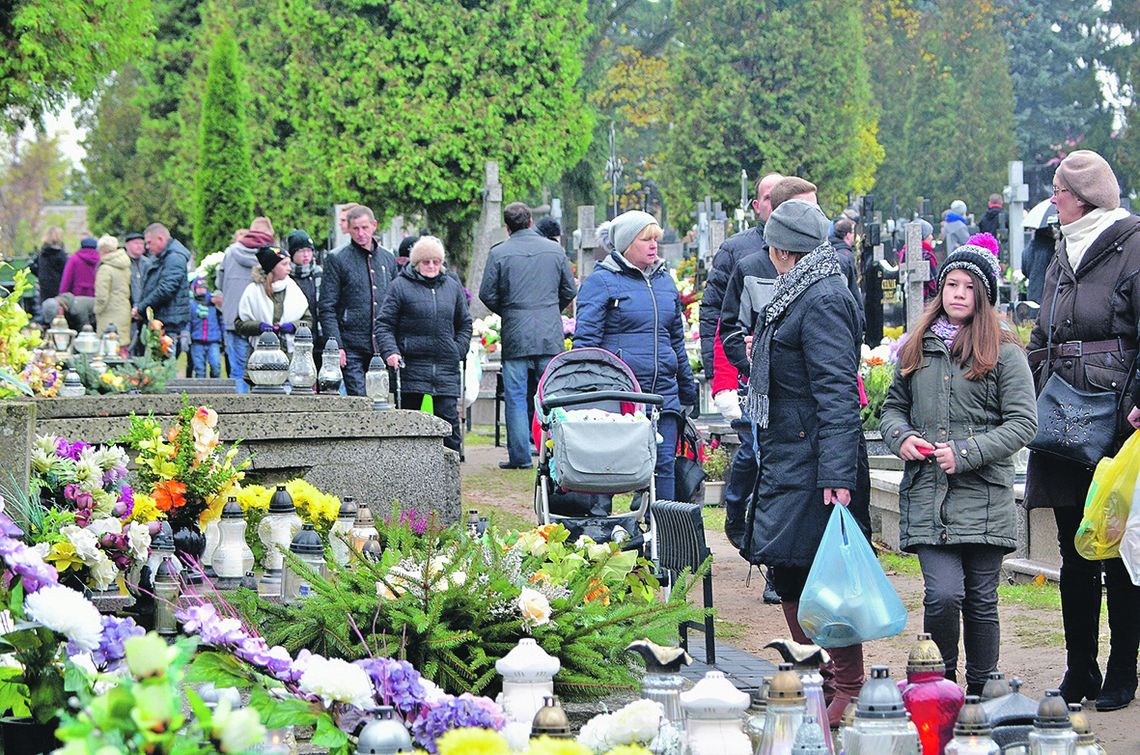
1091,306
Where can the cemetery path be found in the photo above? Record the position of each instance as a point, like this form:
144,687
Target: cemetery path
1032,646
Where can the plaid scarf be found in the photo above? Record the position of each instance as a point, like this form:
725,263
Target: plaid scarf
820,263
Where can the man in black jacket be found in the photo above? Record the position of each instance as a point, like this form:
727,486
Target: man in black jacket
528,282
355,279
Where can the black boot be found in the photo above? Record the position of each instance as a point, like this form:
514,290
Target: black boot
1080,613
1124,638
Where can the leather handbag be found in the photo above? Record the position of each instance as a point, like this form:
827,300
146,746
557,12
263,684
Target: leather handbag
1073,425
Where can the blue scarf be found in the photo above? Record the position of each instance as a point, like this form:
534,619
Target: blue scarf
952,216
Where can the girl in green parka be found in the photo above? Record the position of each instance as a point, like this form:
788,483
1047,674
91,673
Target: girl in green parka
961,405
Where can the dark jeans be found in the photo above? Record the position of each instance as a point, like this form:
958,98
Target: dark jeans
961,587
664,474
444,407
741,480
1080,606
788,582
355,365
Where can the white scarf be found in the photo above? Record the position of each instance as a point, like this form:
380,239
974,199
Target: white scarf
1082,232
255,306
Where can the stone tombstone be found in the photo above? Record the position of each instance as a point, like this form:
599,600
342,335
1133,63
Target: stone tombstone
917,273
337,443
17,431
489,231
588,246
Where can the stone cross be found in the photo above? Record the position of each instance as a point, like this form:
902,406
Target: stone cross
917,272
488,232
1018,196
587,243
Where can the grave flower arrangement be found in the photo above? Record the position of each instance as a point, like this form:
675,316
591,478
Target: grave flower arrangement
185,470
52,633
81,514
489,331
453,605
877,368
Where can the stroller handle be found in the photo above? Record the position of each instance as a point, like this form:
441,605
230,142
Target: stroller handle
590,398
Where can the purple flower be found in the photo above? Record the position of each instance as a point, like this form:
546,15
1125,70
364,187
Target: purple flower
110,653
8,527
28,565
214,629
397,683
114,474
416,521
456,713
70,450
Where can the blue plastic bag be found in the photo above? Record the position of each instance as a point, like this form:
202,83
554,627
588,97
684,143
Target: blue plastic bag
847,598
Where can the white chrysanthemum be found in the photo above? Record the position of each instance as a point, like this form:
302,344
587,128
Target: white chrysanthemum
595,734
236,730
534,607
336,680
103,572
66,611
138,538
85,543
110,457
41,460
105,526
46,443
88,474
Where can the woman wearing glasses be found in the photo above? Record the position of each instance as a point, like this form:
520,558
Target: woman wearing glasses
1087,334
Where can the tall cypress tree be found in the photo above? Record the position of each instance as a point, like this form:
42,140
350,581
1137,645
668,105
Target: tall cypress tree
223,185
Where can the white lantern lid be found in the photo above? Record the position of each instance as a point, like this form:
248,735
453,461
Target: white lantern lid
714,696
528,662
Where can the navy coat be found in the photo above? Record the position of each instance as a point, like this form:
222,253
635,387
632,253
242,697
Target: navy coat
166,288
639,319
814,438
426,321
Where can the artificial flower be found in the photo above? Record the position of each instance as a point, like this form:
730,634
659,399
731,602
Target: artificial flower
145,508
138,538
472,741
148,656
103,572
534,607
85,542
66,611
336,680
235,730
550,746
170,494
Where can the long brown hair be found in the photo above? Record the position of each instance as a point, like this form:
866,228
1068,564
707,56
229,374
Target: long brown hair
978,341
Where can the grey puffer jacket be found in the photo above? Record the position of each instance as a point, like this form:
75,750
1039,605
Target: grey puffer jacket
426,321
352,290
1098,301
734,249
233,276
814,439
985,421
528,283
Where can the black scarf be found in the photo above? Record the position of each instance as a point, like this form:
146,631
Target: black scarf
814,267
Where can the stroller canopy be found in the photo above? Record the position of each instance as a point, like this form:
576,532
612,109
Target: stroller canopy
585,371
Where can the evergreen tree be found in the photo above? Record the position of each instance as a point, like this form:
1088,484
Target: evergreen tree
223,196
1123,59
53,49
946,98
768,86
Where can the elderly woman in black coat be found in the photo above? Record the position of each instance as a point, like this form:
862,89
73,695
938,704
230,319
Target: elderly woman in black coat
804,400
1090,307
425,323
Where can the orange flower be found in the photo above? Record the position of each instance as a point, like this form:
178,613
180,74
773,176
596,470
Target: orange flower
599,591
169,494
546,530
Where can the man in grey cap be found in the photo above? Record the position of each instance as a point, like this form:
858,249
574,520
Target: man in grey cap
140,262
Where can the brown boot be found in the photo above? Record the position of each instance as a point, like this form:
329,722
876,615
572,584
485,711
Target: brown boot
827,670
848,679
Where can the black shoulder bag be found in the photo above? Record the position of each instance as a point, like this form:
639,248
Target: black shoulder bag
1074,425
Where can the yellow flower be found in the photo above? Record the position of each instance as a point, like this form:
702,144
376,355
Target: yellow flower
472,741
146,509
254,497
63,557
551,746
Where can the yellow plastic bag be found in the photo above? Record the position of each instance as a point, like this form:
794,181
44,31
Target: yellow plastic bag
1108,503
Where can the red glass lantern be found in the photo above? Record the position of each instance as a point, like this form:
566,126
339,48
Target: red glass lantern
932,700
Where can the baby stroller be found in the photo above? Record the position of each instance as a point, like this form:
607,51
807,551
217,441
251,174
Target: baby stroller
597,437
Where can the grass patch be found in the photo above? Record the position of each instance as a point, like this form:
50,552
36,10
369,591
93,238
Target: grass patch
476,437
902,564
730,630
507,520
1030,633
714,519
1045,596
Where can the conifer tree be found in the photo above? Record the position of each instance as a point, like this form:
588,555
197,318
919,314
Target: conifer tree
223,185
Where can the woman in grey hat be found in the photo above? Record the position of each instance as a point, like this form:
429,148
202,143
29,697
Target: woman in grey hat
630,306
804,401
1091,305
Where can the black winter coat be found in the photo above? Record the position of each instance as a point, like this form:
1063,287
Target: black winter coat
310,284
814,437
850,271
48,269
426,321
166,288
734,249
352,291
528,283
1097,302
